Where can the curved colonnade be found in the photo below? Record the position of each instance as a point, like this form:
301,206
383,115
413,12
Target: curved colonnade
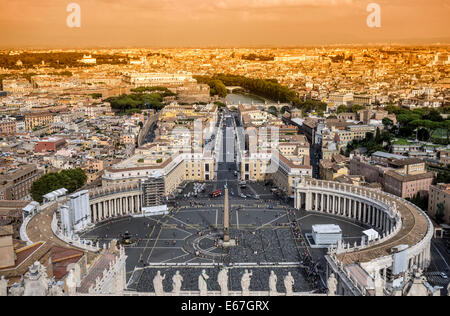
398,222
113,202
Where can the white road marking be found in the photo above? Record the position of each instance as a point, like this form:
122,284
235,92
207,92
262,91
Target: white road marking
166,261
440,254
276,219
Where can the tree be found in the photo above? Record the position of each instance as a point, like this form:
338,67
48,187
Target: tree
220,104
378,135
423,135
388,123
96,95
71,180
418,200
342,109
355,108
440,213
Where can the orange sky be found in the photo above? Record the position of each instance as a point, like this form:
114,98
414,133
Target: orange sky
168,23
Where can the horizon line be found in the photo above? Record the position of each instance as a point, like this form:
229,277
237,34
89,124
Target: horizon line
379,44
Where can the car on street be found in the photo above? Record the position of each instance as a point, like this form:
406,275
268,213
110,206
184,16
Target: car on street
444,276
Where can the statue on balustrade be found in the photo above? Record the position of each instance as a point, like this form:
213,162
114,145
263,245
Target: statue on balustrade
245,283
177,282
332,285
222,279
289,284
273,279
158,284
202,283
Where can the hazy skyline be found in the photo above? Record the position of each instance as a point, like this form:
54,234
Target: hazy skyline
245,23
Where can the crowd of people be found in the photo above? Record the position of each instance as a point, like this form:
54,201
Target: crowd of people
311,267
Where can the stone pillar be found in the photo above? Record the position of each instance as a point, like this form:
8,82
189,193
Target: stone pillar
108,210
92,213
308,205
329,206
335,205
375,220
3,287
97,212
139,203
362,211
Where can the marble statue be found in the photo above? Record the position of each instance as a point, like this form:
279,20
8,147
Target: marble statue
16,290
55,290
177,282
71,283
245,283
158,284
332,285
273,279
289,284
448,290
3,286
36,281
222,279
379,286
202,285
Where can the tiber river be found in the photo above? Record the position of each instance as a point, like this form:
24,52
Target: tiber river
237,98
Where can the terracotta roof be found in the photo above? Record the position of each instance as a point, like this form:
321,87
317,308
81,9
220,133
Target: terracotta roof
409,177
6,230
62,258
405,162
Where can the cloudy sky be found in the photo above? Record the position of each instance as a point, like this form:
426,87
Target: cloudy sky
169,23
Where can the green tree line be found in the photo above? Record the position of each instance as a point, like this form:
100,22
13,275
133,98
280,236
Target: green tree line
71,180
140,100
421,122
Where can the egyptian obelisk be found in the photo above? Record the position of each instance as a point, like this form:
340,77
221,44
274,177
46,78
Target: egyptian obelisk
226,217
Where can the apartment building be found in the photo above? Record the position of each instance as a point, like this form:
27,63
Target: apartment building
157,79
17,86
337,99
50,145
402,177
438,201
284,172
38,119
353,132
15,184
8,127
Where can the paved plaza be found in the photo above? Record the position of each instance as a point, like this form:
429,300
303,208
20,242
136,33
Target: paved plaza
185,241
